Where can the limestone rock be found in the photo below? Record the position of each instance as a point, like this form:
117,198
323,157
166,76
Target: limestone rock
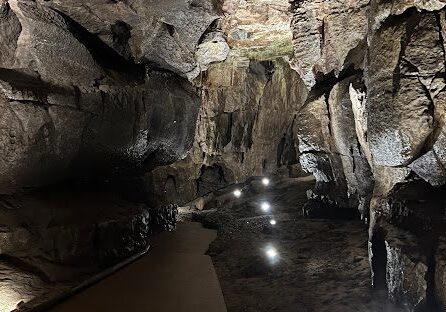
213,49
258,29
330,149
10,29
430,169
440,148
17,286
380,10
406,271
324,33
244,129
346,143
45,136
165,217
398,131
162,32
440,272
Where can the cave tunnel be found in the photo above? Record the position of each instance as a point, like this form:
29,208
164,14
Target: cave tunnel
222,155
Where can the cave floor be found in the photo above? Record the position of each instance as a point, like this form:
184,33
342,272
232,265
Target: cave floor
248,264
321,264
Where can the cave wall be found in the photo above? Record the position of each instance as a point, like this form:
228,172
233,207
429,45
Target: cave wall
71,99
174,99
372,129
244,129
92,94
249,106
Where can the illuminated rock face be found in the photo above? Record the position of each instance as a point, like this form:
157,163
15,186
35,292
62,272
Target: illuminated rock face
372,129
146,31
258,29
249,105
244,129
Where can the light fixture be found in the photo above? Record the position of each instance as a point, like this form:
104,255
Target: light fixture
271,253
272,222
237,193
265,181
265,206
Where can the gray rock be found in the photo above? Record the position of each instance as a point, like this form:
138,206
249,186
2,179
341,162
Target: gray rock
430,169
213,49
406,270
162,32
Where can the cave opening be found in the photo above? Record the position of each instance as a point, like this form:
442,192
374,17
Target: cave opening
222,155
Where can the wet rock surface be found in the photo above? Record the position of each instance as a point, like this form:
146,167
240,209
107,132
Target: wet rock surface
321,264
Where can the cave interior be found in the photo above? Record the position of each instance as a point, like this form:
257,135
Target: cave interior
223,155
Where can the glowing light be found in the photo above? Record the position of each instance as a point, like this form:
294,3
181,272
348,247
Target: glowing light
265,181
271,253
265,206
9,298
272,222
237,193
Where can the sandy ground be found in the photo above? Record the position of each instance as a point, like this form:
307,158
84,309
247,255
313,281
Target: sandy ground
321,265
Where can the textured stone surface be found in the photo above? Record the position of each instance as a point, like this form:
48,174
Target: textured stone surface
110,128
330,149
162,32
351,91
17,286
375,135
10,29
440,272
91,93
258,29
244,129
430,169
52,118
397,74
406,270
325,32
63,229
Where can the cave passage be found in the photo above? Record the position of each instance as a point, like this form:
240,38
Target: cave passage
223,155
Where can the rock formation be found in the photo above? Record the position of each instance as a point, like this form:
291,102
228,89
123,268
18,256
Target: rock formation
372,130
161,102
87,99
